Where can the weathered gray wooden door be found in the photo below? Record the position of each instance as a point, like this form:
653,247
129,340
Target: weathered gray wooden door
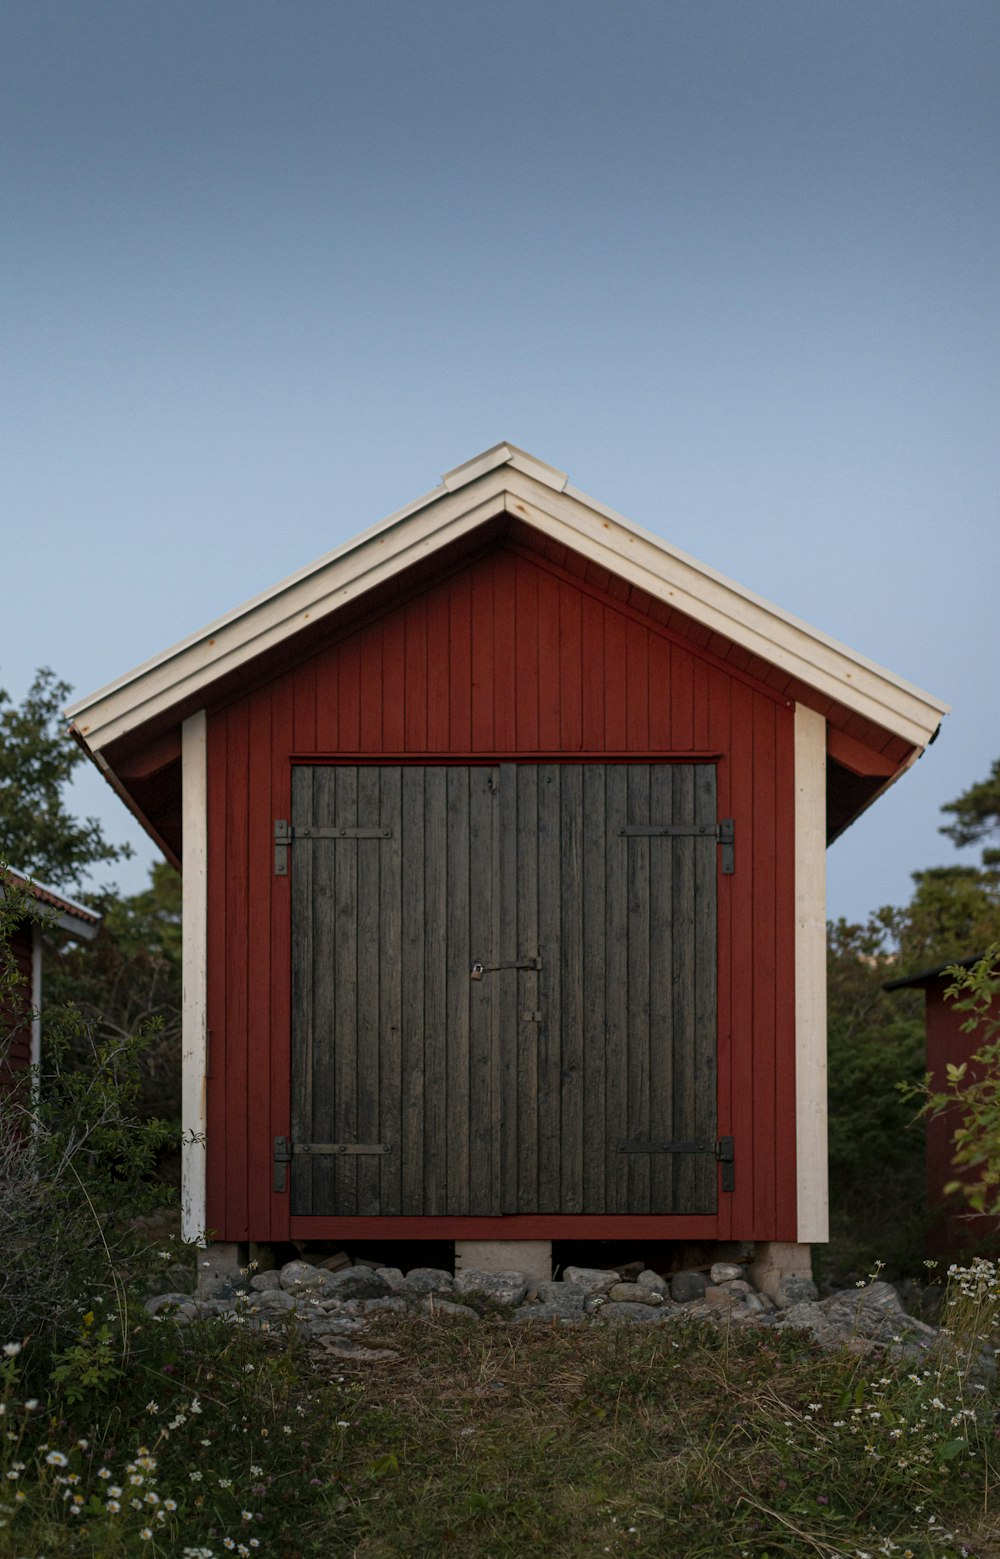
504,989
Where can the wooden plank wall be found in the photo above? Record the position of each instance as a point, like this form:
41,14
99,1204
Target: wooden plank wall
509,656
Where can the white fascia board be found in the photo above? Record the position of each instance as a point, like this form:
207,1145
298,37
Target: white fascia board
708,597
265,622
506,477
505,455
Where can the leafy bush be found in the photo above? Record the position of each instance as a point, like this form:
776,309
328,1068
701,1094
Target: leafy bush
76,1162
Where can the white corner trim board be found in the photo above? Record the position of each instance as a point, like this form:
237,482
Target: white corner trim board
194,1034
810,976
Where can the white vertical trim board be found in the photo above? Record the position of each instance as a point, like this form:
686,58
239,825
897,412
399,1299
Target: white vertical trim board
810,975
194,1040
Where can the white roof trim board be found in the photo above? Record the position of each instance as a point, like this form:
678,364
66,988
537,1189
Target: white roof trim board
506,479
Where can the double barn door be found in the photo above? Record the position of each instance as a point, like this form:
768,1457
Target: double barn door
503,989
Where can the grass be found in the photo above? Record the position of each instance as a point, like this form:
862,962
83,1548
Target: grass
487,1439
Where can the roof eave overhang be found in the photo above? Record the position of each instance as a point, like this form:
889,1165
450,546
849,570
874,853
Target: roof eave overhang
503,480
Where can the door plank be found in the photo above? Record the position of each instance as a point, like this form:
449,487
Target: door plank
550,1005
390,936
661,975
571,988
616,966
458,993
532,984
304,968
345,994
595,1144
638,922
369,855
436,843
482,1155
412,1003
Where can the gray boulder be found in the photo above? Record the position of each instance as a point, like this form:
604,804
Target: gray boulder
567,1298
296,1276
594,1279
687,1287
504,1288
633,1293
262,1281
354,1283
428,1280
792,1290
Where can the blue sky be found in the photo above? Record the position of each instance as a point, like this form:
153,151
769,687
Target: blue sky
268,269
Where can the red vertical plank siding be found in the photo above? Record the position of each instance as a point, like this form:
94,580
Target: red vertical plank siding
260,825
526,671
459,666
438,656
278,1064
548,663
592,674
349,695
415,676
720,740
370,680
392,691
742,953
681,700
637,687
483,668
615,681
302,687
509,655
658,675
504,654
570,670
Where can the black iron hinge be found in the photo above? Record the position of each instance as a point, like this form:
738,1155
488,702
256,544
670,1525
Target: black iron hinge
721,1150
285,832
723,832
285,1150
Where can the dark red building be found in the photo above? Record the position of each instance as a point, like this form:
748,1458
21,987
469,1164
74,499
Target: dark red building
503,833
20,1021
952,1230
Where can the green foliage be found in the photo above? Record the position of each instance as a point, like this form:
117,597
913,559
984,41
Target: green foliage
974,1086
76,1164
38,834
876,1156
129,978
685,1439
976,810
877,1047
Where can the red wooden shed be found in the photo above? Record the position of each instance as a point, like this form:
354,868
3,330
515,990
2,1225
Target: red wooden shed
503,834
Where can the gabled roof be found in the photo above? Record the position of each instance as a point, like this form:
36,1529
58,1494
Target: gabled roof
502,480
68,914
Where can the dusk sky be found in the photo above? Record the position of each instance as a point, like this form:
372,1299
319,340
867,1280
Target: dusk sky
268,270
